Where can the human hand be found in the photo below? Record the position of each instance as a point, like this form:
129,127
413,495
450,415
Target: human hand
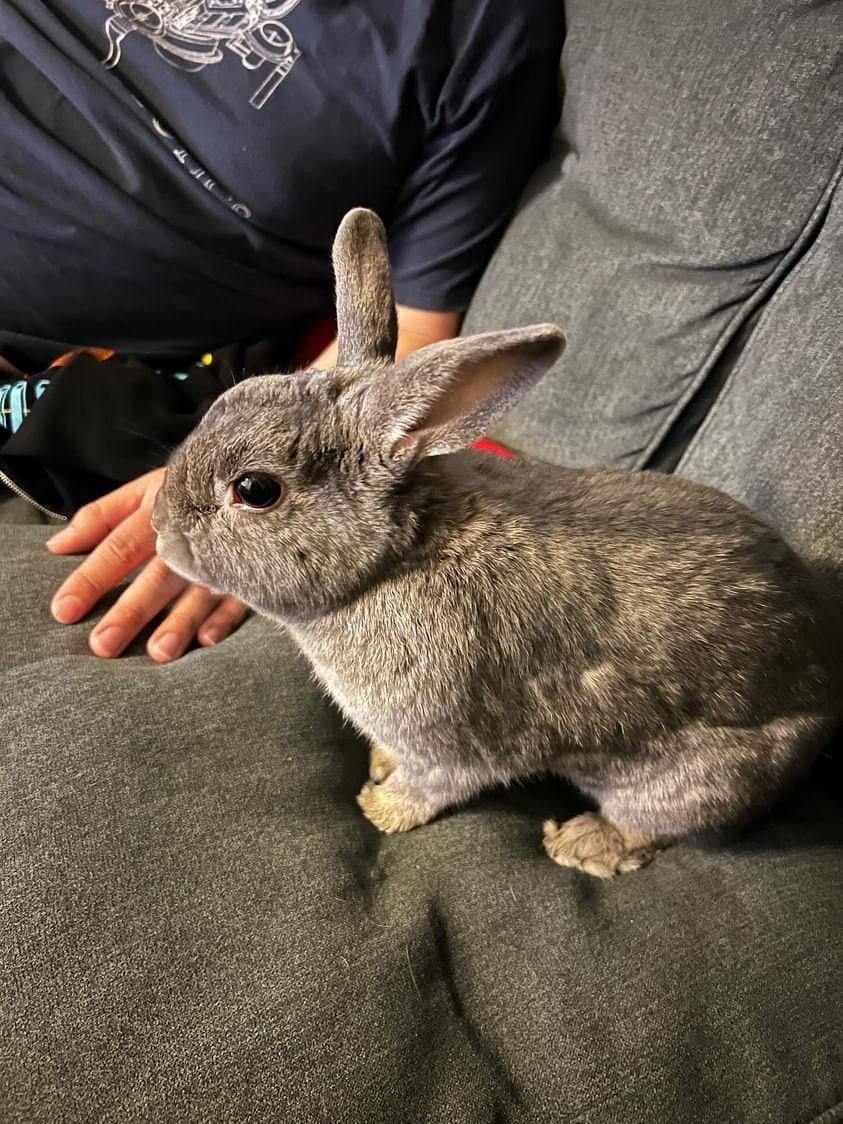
117,531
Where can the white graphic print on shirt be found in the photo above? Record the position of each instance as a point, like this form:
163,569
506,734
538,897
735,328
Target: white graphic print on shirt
192,34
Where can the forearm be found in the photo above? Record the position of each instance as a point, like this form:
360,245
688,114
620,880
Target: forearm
416,328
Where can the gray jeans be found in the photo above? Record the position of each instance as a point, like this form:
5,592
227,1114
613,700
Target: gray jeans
197,924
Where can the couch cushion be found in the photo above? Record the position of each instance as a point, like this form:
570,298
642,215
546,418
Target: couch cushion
198,925
774,435
700,146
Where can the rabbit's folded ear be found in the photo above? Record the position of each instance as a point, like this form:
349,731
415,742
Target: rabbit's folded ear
444,397
367,327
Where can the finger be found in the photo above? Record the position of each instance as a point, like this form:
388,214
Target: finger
94,521
153,589
172,637
225,619
116,556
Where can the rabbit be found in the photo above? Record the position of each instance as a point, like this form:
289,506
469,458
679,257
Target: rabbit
483,620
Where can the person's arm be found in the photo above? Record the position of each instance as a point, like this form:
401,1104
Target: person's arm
487,124
416,328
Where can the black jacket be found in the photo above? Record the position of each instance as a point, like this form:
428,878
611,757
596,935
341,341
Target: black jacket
100,423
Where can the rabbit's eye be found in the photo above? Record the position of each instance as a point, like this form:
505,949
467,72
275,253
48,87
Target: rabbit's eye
256,490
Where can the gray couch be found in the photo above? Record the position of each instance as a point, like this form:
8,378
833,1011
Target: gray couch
197,923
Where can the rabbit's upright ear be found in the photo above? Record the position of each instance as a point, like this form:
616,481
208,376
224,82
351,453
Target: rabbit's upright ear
367,327
445,396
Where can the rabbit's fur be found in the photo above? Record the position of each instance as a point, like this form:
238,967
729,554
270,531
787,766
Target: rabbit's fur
484,620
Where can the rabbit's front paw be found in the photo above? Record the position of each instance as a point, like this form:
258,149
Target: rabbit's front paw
391,807
381,763
595,846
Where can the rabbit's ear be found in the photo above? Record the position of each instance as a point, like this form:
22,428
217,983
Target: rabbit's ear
443,397
367,326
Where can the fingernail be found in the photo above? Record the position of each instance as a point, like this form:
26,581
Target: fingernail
60,536
67,609
211,636
169,646
110,641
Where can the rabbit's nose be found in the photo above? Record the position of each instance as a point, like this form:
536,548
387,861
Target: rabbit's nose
158,518
175,551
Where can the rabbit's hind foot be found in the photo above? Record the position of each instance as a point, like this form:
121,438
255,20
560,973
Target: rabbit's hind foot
593,845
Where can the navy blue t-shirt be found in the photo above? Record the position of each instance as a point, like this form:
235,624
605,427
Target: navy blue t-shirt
172,172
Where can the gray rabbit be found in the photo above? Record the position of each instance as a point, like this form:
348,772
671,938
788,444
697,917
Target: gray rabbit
483,620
